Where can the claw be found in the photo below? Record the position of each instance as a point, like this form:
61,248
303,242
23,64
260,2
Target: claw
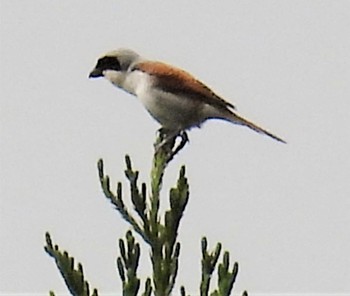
184,141
167,141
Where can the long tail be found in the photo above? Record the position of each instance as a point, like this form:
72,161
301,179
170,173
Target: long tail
234,118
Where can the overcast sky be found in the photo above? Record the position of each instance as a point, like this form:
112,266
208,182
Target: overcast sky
283,211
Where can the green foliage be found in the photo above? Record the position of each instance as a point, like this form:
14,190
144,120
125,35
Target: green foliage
74,277
127,265
160,232
226,278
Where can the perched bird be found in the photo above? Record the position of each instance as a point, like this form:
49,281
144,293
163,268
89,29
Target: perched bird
173,97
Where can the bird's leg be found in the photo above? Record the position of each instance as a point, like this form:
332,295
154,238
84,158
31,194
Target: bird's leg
167,141
184,140
161,133
164,135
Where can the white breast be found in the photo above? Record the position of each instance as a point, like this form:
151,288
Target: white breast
136,82
171,111
149,96
140,84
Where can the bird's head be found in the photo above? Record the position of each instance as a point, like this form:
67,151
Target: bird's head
114,65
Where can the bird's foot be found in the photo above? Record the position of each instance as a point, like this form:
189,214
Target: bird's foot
167,142
183,142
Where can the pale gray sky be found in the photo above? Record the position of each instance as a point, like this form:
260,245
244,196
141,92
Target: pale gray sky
281,210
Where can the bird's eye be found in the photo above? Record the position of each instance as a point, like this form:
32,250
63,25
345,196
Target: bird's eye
108,63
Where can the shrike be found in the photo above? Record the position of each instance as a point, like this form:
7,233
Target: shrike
173,97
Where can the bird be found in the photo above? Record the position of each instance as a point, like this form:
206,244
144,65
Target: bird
174,98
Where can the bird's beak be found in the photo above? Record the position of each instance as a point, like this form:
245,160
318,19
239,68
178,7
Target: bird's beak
95,73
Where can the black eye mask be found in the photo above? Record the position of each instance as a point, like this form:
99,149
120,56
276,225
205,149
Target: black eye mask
108,63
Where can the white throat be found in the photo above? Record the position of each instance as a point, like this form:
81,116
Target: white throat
115,77
132,82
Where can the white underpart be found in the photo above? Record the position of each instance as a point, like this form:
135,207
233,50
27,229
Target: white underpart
119,79
173,112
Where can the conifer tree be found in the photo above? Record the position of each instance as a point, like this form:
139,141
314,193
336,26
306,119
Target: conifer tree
160,232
